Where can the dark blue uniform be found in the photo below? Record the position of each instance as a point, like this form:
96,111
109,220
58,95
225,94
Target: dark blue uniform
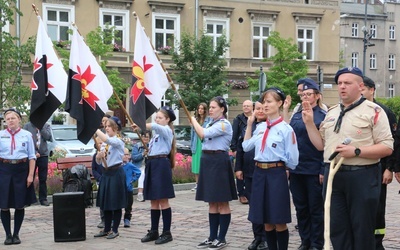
305,185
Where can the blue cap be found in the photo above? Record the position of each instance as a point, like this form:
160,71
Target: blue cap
13,110
170,112
308,83
276,90
117,121
354,71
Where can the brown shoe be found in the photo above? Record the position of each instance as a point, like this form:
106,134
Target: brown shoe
243,200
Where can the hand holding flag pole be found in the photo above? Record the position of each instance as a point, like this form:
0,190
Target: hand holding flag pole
98,150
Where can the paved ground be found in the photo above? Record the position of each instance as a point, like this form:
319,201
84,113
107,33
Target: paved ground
189,227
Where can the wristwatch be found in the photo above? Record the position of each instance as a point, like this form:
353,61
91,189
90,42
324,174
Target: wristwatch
357,151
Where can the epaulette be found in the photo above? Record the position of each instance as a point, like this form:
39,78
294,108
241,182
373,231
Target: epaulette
334,106
374,106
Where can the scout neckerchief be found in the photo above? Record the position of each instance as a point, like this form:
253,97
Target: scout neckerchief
214,121
269,126
13,138
343,111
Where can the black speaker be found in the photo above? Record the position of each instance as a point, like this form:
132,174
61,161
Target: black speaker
69,216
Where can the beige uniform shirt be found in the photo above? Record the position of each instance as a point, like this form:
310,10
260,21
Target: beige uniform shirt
366,125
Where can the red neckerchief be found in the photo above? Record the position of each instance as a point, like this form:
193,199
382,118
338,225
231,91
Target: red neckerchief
13,138
269,126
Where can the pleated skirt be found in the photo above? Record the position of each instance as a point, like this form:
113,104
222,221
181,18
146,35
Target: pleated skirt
112,189
158,180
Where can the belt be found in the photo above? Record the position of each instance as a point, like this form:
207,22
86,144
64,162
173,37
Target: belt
156,156
356,167
266,165
214,151
16,161
115,166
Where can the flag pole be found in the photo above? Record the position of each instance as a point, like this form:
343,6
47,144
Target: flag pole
169,79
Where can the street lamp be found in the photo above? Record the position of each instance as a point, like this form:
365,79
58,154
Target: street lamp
367,37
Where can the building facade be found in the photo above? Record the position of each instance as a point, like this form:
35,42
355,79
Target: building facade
313,24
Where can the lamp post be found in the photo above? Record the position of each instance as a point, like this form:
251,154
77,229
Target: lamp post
367,37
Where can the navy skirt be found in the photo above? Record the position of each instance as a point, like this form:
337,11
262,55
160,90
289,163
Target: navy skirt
112,189
158,180
270,199
13,190
216,181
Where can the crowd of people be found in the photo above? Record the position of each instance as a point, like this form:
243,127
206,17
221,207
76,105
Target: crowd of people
269,165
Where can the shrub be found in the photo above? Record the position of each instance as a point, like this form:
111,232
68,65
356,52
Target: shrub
182,172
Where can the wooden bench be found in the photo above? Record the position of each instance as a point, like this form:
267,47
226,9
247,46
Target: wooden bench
66,163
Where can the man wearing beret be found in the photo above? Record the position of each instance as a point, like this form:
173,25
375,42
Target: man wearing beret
387,164
356,186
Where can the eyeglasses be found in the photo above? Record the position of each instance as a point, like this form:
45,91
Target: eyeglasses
127,154
307,94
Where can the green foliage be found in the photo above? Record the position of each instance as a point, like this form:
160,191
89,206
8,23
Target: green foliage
13,57
287,68
392,103
201,70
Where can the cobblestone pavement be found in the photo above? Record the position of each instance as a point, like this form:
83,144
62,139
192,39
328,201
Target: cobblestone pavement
189,227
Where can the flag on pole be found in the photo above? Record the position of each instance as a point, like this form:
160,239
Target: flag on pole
49,80
88,89
149,80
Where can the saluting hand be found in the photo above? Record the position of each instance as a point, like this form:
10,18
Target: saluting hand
287,102
307,112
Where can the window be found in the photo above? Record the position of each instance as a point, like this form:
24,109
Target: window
392,59
372,61
392,34
391,90
216,28
119,19
373,31
166,30
58,19
305,42
354,29
260,46
354,59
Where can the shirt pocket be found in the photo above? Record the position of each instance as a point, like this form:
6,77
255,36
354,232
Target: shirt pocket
361,128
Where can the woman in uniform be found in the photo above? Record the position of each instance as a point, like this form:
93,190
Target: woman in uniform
275,150
111,197
158,187
195,144
17,165
216,183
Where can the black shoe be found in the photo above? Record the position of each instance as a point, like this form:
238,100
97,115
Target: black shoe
112,235
101,234
44,203
101,224
164,238
150,236
263,246
254,245
303,247
9,240
16,240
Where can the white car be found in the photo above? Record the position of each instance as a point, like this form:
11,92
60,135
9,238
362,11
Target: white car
64,138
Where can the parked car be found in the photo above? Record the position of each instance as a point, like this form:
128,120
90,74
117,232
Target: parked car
182,135
64,138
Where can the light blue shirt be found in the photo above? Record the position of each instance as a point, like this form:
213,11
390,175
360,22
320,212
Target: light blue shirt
161,142
24,146
281,144
115,150
217,135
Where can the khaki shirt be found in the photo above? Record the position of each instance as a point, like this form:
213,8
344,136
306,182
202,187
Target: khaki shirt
366,125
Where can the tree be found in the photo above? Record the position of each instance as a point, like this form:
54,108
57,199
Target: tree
200,70
13,57
287,66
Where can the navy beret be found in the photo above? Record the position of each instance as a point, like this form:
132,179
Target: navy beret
170,112
276,90
117,121
13,110
308,83
368,82
354,71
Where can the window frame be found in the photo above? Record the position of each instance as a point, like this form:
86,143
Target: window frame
58,7
391,90
354,29
226,30
354,59
260,40
305,40
372,61
373,31
126,25
392,62
177,25
392,32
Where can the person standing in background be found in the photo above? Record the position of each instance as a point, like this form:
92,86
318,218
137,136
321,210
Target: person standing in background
138,159
195,143
17,164
239,128
40,139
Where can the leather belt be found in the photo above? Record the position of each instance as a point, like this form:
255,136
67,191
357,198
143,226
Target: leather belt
115,166
156,156
214,151
266,165
16,161
356,167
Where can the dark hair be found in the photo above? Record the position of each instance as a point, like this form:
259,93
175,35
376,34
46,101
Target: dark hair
276,93
107,115
221,103
200,119
144,132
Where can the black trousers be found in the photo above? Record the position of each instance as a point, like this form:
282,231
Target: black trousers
354,204
129,203
380,227
42,167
